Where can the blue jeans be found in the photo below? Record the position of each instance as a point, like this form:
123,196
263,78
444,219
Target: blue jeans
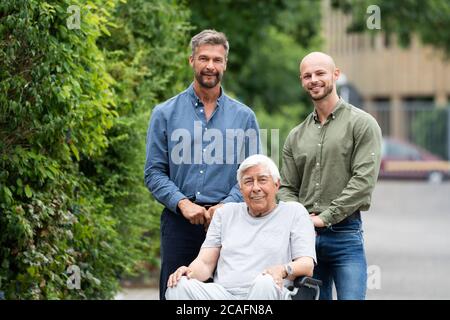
341,259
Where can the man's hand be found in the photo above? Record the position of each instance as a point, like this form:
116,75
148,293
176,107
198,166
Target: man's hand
317,221
194,213
278,273
210,214
175,277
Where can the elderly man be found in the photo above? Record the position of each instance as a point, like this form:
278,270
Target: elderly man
191,156
256,248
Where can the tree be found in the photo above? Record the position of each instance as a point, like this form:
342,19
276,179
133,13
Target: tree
146,53
267,41
430,20
56,105
429,129
73,109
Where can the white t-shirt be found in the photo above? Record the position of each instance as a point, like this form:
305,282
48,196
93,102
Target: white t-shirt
250,244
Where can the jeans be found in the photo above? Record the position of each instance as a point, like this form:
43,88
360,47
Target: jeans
180,244
341,260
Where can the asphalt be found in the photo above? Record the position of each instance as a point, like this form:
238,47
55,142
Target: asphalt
407,240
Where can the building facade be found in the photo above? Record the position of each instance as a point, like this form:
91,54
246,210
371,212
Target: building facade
396,84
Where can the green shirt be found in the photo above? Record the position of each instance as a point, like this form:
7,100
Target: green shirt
332,169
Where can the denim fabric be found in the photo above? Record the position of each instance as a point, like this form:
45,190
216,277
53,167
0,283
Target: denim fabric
341,260
190,157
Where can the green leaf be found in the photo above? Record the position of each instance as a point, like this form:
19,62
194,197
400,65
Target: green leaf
105,30
28,191
31,271
75,151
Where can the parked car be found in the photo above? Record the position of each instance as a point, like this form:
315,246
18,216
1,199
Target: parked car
401,159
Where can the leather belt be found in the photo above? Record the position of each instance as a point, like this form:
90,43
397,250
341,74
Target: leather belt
205,205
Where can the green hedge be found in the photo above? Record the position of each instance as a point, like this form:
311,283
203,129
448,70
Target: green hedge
71,142
429,129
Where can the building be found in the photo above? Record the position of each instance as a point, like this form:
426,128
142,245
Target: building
395,84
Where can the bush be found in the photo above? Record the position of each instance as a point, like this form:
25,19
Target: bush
429,130
146,53
71,145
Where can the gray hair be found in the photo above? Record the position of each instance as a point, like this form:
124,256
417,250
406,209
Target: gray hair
255,160
210,36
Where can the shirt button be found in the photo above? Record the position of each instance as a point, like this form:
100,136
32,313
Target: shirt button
201,110
318,127
204,150
201,171
317,184
315,204
198,192
206,129
317,164
196,104
319,144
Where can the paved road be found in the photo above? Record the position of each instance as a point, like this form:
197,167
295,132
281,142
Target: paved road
407,236
138,294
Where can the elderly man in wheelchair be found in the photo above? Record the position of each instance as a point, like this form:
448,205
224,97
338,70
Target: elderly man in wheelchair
255,250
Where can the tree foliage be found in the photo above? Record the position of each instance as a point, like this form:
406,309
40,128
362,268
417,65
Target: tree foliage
73,112
429,130
430,20
267,40
145,54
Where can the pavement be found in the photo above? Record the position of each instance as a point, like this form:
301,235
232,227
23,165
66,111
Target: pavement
138,294
407,240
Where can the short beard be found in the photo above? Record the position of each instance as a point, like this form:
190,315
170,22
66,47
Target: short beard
328,91
208,85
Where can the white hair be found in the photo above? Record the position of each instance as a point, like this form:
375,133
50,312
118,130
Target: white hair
255,160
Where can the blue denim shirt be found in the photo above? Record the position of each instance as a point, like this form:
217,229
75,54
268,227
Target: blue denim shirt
189,157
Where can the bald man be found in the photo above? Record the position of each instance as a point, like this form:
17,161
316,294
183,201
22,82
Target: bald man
330,165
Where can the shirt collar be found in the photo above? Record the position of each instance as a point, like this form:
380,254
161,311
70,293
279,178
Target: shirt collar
334,113
196,100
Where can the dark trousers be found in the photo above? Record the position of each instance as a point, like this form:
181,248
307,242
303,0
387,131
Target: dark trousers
180,244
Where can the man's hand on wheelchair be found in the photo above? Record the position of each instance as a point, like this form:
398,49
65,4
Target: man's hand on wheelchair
278,273
176,276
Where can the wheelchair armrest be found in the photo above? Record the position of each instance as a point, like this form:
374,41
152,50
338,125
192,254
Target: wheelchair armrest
306,288
305,281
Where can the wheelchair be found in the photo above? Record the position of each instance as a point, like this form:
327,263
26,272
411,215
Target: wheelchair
306,288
